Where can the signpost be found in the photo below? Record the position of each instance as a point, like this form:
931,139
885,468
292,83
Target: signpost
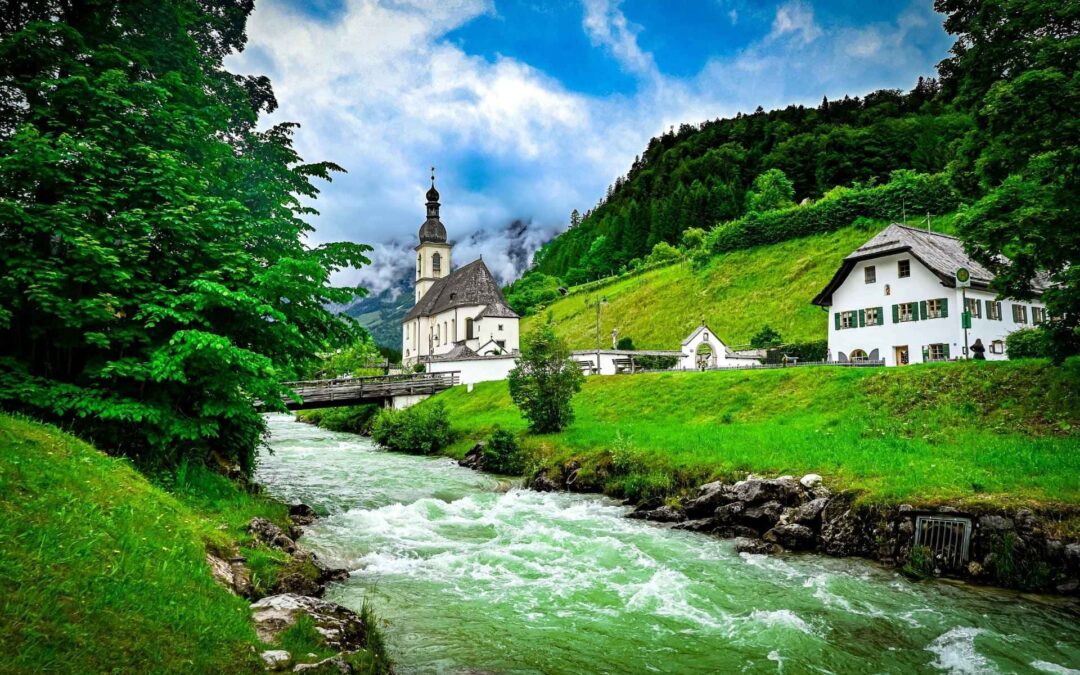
963,282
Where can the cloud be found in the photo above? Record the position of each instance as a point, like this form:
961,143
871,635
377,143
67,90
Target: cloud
381,90
607,26
796,17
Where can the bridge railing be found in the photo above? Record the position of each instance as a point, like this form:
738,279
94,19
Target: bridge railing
316,393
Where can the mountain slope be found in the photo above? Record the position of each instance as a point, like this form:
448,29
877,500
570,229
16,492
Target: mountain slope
736,293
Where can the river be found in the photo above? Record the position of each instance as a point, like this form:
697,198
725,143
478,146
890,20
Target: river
474,575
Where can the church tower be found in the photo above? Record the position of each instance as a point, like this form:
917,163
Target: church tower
433,252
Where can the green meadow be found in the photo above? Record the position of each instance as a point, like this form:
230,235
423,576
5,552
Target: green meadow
954,432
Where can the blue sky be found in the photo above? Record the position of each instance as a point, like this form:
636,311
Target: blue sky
530,109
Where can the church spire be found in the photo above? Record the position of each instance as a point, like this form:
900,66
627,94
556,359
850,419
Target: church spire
432,230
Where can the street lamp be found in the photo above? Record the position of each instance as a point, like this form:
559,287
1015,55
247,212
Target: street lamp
601,301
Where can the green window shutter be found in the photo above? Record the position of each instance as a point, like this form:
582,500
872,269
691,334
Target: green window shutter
944,308
1000,312
880,316
837,317
896,313
862,318
925,354
922,309
946,348
989,313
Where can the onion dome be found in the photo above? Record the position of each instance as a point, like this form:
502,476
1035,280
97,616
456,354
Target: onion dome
432,230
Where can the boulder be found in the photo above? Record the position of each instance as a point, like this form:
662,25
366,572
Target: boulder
233,574
542,483
340,627
299,584
994,523
809,514
729,513
736,531
664,514
271,535
276,659
474,458
791,536
709,497
1025,521
761,517
760,490
302,514
697,525
810,481
755,546
843,532
335,665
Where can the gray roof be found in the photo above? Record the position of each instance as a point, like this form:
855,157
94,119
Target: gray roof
459,351
939,253
466,286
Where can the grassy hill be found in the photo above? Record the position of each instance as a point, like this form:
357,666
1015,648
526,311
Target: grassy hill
736,293
102,571
954,432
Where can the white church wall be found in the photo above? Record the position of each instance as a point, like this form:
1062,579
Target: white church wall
473,370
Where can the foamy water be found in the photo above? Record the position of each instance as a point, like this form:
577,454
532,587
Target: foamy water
474,575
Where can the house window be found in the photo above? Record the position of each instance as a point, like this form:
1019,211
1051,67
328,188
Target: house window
933,309
903,268
858,355
1038,315
975,307
870,274
500,326
938,352
436,262
469,329
905,311
993,310
502,345
873,316
1020,313
848,320
997,347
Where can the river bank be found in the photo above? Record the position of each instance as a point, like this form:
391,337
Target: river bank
473,574
103,570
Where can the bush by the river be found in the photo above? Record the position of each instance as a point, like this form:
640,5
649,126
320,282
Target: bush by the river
353,419
502,453
423,429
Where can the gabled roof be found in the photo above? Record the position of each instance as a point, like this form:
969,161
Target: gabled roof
460,350
939,253
467,286
727,350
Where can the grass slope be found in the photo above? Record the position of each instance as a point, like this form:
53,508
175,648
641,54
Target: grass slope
102,571
958,432
736,293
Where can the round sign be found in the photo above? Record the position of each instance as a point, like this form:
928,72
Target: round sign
963,275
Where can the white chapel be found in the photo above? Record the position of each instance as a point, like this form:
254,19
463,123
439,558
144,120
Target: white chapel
459,313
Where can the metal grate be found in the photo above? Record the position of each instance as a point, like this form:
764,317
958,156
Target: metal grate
947,537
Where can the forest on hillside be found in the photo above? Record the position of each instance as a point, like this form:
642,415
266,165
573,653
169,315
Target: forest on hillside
993,136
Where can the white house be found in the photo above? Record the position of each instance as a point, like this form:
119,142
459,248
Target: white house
702,350
459,314
896,299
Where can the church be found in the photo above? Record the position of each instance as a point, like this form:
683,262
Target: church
459,313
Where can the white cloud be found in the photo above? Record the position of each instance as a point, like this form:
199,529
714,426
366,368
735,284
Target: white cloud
798,18
607,26
383,93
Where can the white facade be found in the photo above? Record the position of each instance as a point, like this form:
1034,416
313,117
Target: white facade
880,315
703,350
433,336
476,369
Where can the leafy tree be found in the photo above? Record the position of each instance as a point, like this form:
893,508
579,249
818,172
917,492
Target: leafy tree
155,279
1015,67
663,252
771,191
360,358
766,337
532,291
693,238
545,380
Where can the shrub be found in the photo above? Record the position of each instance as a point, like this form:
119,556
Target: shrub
545,380
766,337
353,419
422,429
1028,343
817,350
625,343
502,454
418,367
663,252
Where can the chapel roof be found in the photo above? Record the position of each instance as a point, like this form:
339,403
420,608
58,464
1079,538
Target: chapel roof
467,286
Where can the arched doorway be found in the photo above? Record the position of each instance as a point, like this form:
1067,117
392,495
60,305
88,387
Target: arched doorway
705,356
858,355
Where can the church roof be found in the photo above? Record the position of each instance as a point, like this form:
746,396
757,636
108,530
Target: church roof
939,253
466,286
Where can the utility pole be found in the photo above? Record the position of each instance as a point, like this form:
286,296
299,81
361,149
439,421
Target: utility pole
599,301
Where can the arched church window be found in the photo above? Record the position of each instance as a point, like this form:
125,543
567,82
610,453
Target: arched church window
469,329
436,262
419,264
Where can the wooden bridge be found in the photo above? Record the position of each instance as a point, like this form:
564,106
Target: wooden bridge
356,390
